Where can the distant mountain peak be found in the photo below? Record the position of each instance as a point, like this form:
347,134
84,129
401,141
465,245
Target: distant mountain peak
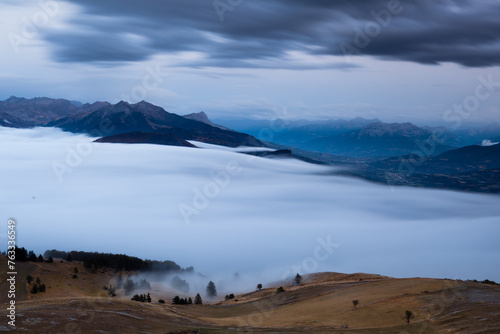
202,117
14,98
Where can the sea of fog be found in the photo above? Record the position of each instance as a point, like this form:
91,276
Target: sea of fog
224,212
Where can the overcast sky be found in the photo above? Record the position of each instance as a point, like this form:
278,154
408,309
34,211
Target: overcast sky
398,61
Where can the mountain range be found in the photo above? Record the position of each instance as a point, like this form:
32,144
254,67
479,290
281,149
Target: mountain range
370,148
102,119
361,137
38,111
376,140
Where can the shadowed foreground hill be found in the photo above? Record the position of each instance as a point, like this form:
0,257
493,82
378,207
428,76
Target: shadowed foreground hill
321,304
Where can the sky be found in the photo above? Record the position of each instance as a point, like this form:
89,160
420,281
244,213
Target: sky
224,212
420,61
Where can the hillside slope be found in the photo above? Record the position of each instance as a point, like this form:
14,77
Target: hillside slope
322,303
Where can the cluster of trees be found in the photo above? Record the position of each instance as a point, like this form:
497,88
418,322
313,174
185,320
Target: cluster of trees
179,284
130,285
94,261
111,290
142,298
22,255
186,301
37,287
486,281
182,301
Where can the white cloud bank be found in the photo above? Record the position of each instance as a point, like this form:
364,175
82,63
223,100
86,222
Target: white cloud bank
272,217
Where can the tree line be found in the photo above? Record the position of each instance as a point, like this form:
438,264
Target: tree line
95,260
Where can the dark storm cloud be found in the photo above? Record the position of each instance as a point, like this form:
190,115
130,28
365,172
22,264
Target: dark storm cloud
255,33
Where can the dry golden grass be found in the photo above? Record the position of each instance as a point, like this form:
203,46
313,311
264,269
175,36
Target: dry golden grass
321,304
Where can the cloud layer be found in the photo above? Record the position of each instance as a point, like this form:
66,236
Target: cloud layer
224,212
261,34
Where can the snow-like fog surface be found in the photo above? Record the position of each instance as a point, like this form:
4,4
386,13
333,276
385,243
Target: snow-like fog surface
224,212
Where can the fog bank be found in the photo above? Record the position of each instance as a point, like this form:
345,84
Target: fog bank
224,212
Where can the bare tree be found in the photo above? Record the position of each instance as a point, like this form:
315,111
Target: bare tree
408,316
355,302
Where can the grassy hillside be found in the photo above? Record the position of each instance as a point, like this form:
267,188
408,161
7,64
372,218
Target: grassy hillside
322,303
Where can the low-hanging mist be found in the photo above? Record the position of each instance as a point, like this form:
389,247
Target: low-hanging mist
224,212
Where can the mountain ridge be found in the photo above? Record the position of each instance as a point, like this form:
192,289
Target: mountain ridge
122,117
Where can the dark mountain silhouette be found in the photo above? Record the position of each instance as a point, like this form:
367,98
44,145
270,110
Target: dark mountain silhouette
39,110
202,117
10,121
462,160
138,137
145,117
470,168
465,159
378,140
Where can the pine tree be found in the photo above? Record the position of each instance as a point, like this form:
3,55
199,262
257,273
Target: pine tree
40,258
190,301
197,299
211,290
32,257
298,279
